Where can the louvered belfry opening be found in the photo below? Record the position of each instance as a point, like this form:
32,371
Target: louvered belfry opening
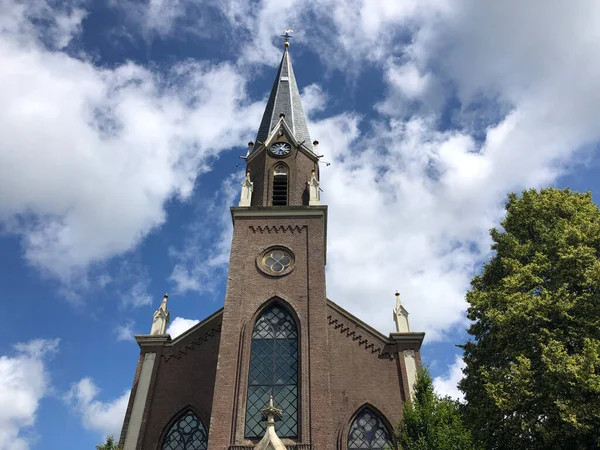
280,186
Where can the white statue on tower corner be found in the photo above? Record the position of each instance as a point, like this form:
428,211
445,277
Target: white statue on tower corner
314,190
247,186
401,316
161,318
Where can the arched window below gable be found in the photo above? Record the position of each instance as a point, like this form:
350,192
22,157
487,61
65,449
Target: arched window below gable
368,431
187,433
273,372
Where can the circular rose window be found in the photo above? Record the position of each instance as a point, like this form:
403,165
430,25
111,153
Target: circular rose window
276,261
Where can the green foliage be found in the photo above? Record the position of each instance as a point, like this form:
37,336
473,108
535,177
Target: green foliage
431,422
532,377
110,444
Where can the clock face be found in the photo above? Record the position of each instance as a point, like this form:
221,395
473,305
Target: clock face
281,149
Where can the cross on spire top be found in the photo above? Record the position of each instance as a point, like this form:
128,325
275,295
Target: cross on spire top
286,37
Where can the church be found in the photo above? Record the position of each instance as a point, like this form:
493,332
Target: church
280,366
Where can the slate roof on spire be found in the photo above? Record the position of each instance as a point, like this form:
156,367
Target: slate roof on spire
285,99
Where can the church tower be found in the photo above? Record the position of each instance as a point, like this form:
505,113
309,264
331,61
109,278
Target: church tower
278,343
276,276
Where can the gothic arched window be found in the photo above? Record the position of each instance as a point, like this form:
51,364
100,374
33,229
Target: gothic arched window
187,433
273,371
368,432
280,185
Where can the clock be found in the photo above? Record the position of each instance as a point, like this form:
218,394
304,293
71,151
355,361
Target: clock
280,149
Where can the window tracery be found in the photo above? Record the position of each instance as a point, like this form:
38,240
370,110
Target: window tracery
187,433
273,371
368,432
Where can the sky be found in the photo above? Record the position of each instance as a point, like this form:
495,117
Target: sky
121,127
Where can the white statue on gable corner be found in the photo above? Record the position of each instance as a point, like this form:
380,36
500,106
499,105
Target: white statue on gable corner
161,318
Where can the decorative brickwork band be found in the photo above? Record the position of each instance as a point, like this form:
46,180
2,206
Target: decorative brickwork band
363,342
194,344
276,229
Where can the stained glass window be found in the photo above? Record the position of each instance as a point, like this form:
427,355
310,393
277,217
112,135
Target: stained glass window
273,371
368,432
187,433
277,261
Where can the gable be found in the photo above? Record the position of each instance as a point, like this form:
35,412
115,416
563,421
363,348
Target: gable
195,337
357,331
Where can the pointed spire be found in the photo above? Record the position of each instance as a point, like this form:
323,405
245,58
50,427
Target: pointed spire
161,318
401,316
284,102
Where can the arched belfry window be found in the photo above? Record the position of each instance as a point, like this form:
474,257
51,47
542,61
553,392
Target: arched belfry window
280,185
368,431
187,433
273,371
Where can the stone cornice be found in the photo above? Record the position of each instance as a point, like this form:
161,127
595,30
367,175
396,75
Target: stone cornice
278,211
407,341
147,341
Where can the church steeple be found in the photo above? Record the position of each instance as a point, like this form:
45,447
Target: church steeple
284,103
282,166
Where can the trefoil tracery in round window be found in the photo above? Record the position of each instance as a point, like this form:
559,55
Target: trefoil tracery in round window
277,261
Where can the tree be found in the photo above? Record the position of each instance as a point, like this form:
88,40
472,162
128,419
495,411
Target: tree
431,422
532,376
110,444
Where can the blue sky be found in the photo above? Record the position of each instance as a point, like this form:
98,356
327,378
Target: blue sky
121,128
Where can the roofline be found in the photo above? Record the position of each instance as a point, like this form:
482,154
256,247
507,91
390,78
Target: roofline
375,333
198,325
300,146
145,340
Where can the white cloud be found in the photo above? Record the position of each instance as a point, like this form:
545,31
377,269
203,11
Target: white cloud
419,236
153,17
56,25
408,79
425,188
124,332
448,385
345,33
103,417
89,156
205,252
24,381
427,192
180,325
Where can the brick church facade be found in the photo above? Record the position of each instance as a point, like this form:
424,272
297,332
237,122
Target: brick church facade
339,384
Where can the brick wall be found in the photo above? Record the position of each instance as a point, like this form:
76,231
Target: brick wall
184,377
249,290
